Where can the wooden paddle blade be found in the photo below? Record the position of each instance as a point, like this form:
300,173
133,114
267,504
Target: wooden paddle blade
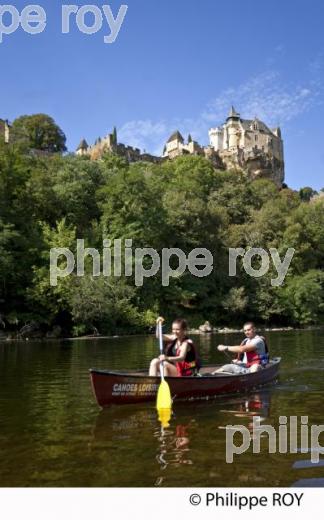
164,416
163,400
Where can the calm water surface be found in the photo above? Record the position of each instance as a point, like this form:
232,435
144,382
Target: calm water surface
52,432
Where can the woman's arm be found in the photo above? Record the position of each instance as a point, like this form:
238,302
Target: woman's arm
165,337
181,357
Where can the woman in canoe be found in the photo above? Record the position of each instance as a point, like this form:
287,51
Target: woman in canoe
180,357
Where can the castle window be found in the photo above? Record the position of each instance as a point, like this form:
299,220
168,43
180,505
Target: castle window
255,137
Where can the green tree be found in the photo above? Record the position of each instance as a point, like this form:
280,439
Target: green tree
303,298
306,193
49,200
103,304
262,191
45,299
235,302
130,204
305,232
39,132
8,236
20,233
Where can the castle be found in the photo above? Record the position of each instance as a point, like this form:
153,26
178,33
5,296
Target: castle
109,144
251,146
243,144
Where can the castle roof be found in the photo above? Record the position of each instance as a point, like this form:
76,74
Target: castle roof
233,113
247,123
83,145
5,121
277,131
176,136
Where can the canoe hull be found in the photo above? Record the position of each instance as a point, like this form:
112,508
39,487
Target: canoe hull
130,388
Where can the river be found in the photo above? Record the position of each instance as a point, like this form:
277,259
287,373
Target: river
53,433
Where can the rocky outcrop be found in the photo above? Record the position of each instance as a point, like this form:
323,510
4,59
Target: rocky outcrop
206,328
31,330
265,167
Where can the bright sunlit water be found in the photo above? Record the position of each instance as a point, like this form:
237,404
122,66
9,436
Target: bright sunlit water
52,432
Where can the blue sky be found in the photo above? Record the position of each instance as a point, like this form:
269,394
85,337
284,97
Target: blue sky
178,64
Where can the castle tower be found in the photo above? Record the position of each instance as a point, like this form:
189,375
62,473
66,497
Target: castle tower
174,145
216,137
233,129
6,131
115,136
233,115
82,149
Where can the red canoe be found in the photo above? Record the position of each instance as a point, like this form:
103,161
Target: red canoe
136,387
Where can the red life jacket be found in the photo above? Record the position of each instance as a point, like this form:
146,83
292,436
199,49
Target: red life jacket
254,358
191,364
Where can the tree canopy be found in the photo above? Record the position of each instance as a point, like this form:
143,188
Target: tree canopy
51,200
39,132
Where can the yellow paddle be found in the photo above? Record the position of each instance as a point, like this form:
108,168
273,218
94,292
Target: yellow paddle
163,401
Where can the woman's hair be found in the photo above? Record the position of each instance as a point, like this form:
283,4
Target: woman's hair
181,323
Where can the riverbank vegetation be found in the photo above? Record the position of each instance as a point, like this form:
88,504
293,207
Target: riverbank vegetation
49,200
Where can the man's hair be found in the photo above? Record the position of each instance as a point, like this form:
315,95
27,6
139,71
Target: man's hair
250,324
181,323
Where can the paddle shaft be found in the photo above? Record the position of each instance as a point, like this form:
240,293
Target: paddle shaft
161,348
163,399
227,354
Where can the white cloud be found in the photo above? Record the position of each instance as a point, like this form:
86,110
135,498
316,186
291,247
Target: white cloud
143,134
265,96
151,136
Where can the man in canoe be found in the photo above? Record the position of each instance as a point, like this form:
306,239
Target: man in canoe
253,350
180,357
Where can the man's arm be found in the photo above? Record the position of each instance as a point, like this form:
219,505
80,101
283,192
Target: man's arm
237,349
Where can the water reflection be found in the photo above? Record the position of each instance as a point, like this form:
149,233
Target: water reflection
172,447
309,482
254,405
53,434
257,403
174,444
126,422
